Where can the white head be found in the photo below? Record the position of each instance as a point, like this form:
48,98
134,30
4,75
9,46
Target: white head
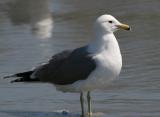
109,24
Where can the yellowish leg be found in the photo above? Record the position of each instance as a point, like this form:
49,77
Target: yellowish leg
82,104
89,104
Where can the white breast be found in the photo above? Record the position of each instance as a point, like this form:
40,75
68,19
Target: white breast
108,60
107,70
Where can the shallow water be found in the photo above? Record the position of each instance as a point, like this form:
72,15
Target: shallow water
31,31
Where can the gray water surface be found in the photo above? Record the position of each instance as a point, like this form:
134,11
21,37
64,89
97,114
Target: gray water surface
31,31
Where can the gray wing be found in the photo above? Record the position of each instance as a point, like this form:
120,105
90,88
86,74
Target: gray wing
67,67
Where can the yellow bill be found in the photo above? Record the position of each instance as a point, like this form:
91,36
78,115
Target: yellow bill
124,26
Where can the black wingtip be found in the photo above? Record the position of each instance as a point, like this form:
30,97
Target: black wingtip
16,80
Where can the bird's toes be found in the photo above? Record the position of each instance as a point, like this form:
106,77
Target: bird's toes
90,114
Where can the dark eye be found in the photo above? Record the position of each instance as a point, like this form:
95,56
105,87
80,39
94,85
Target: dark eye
110,22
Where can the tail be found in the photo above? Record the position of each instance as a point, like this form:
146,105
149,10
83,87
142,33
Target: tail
23,77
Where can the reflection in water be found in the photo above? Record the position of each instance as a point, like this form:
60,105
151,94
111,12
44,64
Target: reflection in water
33,12
41,18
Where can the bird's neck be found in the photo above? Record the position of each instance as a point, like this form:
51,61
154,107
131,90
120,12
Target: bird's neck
104,42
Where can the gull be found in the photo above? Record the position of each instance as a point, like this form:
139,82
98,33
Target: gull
84,69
